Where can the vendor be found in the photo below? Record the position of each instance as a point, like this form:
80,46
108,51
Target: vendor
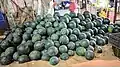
73,6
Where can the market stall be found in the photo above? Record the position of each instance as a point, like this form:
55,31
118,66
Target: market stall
45,38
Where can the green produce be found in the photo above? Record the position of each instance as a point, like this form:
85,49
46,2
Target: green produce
98,22
94,39
29,43
33,25
81,17
54,60
36,37
48,24
39,26
91,31
77,43
35,32
39,45
71,52
23,59
106,38
89,55
100,31
88,35
22,49
79,27
80,51
72,14
70,31
64,31
42,23
87,20
34,55
68,16
85,43
56,18
82,36
72,24
42,31
16,56
95,30
91,48
5,60
95,23
97,37
27,24
64,56
50,30
2,54
104,28
9,51
58,33
83,23
106,21
63,49
54,37
45,57
26,36
64,39
56,24
76,31
28,30
9,37
76,20
49,38
64,19
71,45
4,44
38,18
73,37
19,31
17,40
115,30
52,51
100,42
62,25
93,17
92,43
87,14
89,25
56,43
48,44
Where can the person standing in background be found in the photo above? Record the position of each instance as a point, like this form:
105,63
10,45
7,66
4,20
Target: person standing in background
73,6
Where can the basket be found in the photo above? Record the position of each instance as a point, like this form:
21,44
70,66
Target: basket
114,39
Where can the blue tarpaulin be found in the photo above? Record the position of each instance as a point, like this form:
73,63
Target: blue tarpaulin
3,22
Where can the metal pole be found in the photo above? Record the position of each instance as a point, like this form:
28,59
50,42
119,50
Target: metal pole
115,12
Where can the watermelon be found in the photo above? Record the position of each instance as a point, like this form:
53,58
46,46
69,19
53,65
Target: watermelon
80,51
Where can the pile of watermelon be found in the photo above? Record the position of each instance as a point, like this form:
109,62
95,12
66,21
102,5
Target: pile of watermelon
52,38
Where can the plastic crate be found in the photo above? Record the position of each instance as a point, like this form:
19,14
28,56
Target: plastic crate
114,39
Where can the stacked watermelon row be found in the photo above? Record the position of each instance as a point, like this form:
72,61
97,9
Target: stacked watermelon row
52,38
